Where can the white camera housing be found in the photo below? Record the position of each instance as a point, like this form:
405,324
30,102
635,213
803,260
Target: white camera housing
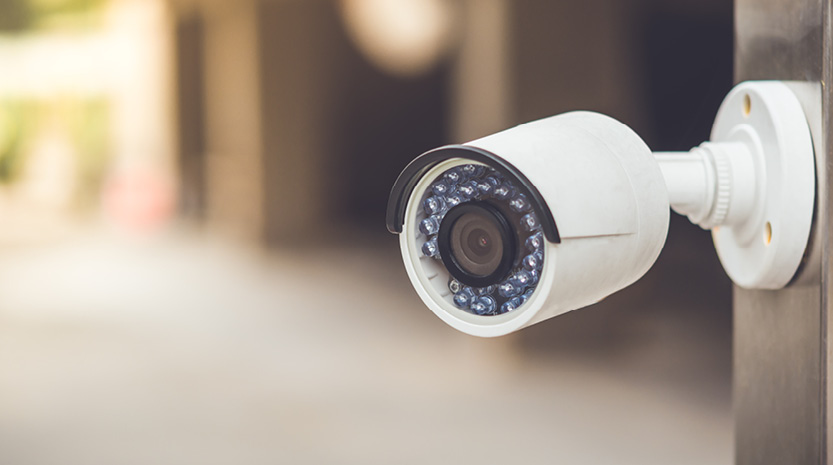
600,188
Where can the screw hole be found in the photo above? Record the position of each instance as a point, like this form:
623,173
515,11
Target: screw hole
767,233
747,105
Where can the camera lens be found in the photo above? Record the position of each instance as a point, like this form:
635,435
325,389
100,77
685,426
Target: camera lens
477,244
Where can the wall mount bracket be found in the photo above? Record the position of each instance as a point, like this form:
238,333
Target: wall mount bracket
753,184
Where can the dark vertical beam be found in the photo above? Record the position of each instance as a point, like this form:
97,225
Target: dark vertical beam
781,342
190,113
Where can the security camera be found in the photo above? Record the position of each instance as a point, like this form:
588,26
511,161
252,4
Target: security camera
554,215
531,222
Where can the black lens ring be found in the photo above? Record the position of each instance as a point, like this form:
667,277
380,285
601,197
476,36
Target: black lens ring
507,237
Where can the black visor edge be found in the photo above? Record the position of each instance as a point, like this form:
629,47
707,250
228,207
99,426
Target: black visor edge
416,169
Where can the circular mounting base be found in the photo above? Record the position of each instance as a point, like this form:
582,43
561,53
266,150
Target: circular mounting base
764,250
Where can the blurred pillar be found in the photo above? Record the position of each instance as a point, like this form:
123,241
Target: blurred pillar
268,72
783,349
481,97
190,108
301,43
233,126
577,56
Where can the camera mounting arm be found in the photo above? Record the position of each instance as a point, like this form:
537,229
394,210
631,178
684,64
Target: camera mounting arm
703,182
753,184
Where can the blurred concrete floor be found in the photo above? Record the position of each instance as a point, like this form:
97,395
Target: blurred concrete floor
184,349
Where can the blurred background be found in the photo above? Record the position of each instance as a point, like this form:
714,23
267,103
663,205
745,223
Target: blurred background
193,261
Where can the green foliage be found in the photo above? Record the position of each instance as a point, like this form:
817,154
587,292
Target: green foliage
16,123
83,121
26,15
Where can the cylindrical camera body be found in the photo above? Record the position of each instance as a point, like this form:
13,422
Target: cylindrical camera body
583,182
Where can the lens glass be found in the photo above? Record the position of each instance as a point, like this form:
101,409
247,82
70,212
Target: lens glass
479,243
476,243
